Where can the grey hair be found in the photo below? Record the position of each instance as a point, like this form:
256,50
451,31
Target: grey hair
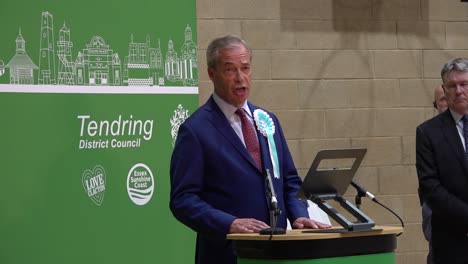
456,64
226,42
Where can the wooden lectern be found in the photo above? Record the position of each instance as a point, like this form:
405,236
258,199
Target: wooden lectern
296,247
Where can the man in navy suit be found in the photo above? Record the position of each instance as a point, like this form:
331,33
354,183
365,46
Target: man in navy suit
440,104
217,187
442,166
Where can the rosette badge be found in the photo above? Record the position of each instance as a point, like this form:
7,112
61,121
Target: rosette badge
140,184
266,126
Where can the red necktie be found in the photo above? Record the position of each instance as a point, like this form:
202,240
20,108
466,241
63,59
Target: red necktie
250,138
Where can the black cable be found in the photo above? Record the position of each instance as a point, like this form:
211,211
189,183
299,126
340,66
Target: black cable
273,228
361,192
391,211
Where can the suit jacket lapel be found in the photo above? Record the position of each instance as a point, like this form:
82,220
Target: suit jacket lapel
449,129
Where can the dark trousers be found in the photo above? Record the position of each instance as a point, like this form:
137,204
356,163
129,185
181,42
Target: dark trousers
427,229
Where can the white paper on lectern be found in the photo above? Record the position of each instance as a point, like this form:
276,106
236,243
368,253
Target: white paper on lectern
315,213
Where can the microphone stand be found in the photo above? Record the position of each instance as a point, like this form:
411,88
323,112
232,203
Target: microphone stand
358,197
361,192
275,211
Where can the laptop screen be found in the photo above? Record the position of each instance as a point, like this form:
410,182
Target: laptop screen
331,172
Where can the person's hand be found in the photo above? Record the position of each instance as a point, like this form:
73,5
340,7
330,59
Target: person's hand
303,222
247,225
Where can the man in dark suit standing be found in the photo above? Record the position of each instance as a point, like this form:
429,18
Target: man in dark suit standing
440,104
218,167
442,167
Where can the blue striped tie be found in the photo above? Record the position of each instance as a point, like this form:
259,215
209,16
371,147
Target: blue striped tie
465,134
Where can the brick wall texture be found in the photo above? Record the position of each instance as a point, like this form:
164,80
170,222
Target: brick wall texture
341,73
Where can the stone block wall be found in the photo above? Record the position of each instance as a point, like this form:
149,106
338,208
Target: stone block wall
341,73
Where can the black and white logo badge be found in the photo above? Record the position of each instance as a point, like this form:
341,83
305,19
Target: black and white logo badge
140,184
94,184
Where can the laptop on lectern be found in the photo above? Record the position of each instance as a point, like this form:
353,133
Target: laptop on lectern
333,178
329,181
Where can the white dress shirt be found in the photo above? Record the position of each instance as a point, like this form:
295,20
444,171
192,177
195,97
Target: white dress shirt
230,112
459,123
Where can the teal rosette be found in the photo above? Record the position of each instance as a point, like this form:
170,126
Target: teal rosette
266,126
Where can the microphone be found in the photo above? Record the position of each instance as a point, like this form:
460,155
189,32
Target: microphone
275,211
362,191
273,200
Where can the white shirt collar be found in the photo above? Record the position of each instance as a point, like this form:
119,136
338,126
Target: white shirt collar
456,116
228,109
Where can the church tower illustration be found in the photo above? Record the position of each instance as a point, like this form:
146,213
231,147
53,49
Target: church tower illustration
46,51
66,73
189,60
21,66
172,65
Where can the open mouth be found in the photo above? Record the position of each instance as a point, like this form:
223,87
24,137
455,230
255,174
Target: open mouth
240,89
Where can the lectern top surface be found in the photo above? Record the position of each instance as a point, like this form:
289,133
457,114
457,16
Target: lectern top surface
297,234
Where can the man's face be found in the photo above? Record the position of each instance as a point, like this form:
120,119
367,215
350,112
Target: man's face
456,91
440,100
231,76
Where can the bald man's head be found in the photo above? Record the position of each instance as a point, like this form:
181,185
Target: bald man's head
440,102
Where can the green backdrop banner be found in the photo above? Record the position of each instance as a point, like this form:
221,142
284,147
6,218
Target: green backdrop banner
91,97
381,258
